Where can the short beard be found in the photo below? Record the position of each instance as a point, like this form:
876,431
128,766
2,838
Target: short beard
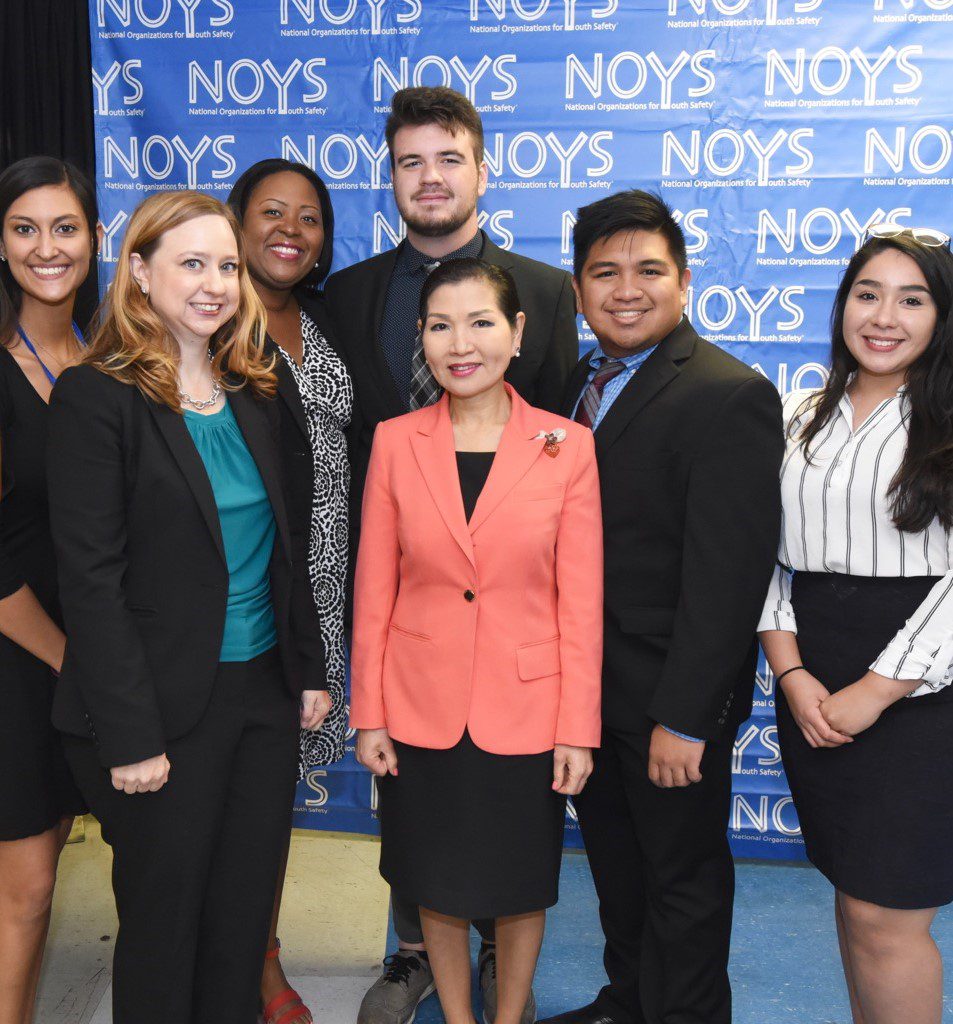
438,228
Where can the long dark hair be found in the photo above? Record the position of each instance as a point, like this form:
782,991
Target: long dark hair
24,176
922,490
242,191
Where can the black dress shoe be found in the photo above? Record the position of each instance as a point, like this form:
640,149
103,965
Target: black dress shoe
591,1014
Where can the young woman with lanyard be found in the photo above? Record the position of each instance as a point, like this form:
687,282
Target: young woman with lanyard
48,242
861,640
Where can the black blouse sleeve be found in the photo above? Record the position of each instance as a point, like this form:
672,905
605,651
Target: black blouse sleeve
10,580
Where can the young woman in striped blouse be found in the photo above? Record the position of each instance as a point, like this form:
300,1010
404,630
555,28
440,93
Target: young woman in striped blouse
858,623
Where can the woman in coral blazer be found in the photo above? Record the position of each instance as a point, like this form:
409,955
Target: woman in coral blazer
477,639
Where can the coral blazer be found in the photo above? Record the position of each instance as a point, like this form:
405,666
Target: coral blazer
495,625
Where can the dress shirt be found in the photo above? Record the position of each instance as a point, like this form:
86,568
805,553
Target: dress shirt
610,393
838,518
614,387
398,330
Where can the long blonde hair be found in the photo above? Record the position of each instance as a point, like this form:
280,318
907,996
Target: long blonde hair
131,343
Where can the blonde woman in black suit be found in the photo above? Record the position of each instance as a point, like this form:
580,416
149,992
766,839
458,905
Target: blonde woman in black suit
194,649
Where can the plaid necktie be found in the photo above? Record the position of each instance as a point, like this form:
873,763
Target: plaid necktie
588,408
424,390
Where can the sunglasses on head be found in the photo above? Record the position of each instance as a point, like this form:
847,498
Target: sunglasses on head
925,236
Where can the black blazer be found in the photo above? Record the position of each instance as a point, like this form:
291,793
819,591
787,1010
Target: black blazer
549,349
689,457
296,454
143,578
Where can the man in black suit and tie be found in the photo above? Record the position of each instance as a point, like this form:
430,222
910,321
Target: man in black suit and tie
689,443
435,138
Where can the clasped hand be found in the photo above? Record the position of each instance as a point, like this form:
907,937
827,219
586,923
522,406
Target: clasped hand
315,706
572,767
859,705
147,776
151,775
833,719
375,750
674,762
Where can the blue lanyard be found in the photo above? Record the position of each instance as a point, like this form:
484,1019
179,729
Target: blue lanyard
36,356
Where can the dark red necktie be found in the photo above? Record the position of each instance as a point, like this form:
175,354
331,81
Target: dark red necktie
588,408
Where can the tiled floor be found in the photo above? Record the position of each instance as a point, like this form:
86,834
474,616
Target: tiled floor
334,931
333,924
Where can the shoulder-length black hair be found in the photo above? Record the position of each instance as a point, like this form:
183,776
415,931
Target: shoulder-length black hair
24,176
922,490
242,190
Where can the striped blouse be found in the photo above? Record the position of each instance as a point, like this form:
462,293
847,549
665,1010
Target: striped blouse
838,518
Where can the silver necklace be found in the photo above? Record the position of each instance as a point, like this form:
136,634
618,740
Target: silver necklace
207,403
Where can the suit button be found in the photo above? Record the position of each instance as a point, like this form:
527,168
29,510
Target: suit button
722,720
469,595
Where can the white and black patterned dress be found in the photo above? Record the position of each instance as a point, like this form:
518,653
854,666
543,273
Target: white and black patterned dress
328,398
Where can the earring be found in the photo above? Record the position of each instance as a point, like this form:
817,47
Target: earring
3,259
145,290
516,354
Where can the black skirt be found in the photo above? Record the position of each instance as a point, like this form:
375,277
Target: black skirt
876,814
472,834
36,786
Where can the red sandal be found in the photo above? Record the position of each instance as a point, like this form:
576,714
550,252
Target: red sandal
287,1006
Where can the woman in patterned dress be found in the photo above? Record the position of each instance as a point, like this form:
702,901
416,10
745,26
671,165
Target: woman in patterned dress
288,228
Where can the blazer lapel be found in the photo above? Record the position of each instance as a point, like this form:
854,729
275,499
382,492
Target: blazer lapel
312,303
662,367
287,388
434,450
172,426
519,449
377,300
492,253
577,380
253,422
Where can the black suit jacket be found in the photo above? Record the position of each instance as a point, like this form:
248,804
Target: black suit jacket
549,349
689,457
143,577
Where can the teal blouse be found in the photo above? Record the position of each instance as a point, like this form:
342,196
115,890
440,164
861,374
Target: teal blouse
248,532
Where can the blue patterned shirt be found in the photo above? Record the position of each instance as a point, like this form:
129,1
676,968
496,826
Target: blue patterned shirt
614,388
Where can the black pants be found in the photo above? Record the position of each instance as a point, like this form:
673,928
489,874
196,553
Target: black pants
195,865
407,922
665,880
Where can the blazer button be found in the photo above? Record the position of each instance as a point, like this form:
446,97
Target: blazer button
469,595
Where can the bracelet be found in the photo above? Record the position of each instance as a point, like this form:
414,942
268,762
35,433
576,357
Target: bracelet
786,672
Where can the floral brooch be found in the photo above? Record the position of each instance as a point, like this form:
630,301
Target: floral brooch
553,439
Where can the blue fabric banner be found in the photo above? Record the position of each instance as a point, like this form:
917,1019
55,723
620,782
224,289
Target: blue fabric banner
779,130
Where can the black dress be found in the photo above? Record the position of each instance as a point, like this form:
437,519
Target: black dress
465,832
36,788
876,814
